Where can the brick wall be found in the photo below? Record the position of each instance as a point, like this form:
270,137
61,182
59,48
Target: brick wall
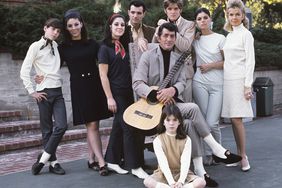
14,96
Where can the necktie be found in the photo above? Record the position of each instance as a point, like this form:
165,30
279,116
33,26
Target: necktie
48,41
119,49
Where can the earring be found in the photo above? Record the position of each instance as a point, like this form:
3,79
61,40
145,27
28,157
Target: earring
211,25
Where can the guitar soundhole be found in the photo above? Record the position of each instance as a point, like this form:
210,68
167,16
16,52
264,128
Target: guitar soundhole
143,114
152,103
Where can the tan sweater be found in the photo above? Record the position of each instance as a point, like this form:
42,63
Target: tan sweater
173,156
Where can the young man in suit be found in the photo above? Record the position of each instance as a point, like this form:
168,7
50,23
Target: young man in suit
140,33
184,38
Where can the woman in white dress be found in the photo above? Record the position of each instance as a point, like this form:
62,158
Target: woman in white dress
238,74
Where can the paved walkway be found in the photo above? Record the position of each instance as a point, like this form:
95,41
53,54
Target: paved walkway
263,145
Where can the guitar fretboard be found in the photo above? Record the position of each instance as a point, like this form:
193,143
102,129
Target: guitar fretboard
175,68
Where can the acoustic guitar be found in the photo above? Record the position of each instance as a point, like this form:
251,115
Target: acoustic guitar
146,115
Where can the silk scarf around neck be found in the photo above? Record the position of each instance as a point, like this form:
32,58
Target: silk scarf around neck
119,49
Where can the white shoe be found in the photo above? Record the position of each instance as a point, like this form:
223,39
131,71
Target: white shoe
232,164
116,168
140,173
245,165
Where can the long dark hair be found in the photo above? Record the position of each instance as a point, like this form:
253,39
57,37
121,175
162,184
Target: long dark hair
173,110
200,10
73,13
198,32
124,39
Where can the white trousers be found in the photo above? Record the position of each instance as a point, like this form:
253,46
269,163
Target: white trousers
209,99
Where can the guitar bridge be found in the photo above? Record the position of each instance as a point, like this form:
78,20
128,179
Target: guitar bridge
143,114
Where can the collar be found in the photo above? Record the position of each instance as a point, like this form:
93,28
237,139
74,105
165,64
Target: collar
132,28
238,27
177,22
169,134
45,42
42,40
167,52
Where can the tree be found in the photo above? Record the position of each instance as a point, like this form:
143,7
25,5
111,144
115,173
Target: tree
266,13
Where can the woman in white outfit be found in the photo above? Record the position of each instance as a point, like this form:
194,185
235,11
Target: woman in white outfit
238,74
208,79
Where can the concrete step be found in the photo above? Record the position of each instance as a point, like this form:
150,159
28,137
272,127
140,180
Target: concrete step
28,141
10,115
19,128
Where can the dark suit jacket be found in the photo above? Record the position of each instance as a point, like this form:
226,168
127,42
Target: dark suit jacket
147,30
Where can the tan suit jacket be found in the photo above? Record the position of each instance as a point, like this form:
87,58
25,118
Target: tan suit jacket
150,72
184,39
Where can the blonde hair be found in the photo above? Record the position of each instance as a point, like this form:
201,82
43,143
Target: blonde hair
235,4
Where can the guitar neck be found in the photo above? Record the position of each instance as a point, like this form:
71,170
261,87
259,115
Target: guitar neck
174,69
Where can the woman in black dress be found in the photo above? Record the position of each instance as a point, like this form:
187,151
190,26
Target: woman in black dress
88,99
115,75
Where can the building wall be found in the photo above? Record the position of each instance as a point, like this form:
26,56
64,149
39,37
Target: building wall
13,95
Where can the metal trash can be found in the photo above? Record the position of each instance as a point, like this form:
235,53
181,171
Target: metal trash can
263,86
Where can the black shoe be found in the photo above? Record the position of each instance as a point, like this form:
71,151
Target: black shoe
57,169
36,168
104,171
210,182
230,158
94,166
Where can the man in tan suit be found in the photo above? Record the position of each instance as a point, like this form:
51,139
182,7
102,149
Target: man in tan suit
184,38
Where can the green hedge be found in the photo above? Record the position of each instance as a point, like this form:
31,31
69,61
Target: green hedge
268,35
23,25
20,26
268,55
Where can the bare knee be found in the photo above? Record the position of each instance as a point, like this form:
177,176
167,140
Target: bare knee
199,183
93,126
237,121
149,182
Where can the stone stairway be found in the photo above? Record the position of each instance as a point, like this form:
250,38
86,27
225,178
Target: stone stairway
20,142
17,133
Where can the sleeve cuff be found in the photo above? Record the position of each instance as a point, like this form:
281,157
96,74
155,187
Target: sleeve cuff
176,91
152,97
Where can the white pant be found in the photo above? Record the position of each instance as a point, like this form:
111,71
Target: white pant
209,99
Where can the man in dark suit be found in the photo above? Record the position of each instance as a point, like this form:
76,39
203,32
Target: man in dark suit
140,33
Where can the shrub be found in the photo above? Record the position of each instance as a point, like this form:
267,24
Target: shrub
268,55
24,24
20,26
268,35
